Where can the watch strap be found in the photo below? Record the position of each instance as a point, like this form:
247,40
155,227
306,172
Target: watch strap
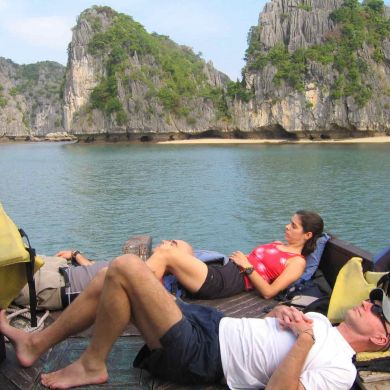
248,270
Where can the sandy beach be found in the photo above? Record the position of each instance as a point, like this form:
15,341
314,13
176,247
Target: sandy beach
368,140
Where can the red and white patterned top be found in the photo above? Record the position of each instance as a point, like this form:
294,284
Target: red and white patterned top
268,261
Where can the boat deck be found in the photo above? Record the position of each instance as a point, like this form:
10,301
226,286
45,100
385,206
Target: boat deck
122,374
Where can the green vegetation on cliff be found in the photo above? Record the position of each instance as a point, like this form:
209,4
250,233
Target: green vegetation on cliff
238,90
42,77
357,25
172,74
39,80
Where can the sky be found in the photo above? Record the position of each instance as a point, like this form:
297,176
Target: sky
40,30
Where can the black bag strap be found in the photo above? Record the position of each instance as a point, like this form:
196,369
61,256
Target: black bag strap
30,279
384,283
64,274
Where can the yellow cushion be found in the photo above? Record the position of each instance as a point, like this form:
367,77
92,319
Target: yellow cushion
349,290
13,256
373,277
364,356
12,246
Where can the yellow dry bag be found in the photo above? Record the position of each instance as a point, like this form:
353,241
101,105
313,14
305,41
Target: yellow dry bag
17,263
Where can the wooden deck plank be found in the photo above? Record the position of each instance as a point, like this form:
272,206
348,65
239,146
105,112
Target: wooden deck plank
241,305
2,348
119,363
6,384
19,377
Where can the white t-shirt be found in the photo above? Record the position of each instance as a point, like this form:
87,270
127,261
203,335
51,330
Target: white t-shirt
251,350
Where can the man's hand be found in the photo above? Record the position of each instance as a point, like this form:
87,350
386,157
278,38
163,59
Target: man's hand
80,259
298,327
289,317
64,254
293,319
240,259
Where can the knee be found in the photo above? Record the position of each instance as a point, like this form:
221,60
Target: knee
126,264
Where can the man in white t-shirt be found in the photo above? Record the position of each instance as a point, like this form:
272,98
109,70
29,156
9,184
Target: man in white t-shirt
328,364
197,344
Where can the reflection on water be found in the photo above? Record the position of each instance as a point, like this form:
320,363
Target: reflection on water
93,197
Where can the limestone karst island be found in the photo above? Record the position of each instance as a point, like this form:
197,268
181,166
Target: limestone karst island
315,70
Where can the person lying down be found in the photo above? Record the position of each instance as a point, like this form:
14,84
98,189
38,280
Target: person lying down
268,269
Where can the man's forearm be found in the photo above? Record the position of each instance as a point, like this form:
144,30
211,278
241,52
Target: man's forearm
82,260
286,376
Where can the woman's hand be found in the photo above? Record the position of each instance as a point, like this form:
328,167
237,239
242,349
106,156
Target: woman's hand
240,259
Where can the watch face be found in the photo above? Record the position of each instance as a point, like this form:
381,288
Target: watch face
249,270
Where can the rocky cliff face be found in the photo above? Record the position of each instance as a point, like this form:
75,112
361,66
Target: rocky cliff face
136,76
315,69
327,97
297,24
30,101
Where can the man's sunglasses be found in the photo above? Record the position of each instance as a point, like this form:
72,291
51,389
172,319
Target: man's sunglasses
378,311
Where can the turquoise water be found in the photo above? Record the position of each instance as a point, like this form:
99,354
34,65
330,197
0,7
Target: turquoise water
93,197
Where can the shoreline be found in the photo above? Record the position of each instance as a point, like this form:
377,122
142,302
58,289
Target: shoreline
212,141
200,141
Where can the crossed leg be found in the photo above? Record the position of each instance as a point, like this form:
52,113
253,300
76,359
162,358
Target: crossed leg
82,312
131,291
77,317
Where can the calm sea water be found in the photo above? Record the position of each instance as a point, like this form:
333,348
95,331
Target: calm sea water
94,197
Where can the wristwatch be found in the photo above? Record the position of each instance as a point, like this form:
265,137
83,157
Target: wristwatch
248,270
74,254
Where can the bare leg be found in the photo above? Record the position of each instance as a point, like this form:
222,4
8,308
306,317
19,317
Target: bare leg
130,291
190,271
77,317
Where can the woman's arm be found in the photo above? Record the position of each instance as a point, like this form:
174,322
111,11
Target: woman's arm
294,269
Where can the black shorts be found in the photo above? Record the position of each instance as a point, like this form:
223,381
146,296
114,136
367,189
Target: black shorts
190,351
221,282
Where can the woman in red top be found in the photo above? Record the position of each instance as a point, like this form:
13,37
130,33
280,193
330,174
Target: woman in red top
269,268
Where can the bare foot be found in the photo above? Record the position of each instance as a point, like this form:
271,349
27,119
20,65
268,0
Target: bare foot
76,374
26,351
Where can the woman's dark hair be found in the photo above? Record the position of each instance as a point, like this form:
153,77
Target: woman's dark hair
311,222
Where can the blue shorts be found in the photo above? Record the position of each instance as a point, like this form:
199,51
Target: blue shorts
190,351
